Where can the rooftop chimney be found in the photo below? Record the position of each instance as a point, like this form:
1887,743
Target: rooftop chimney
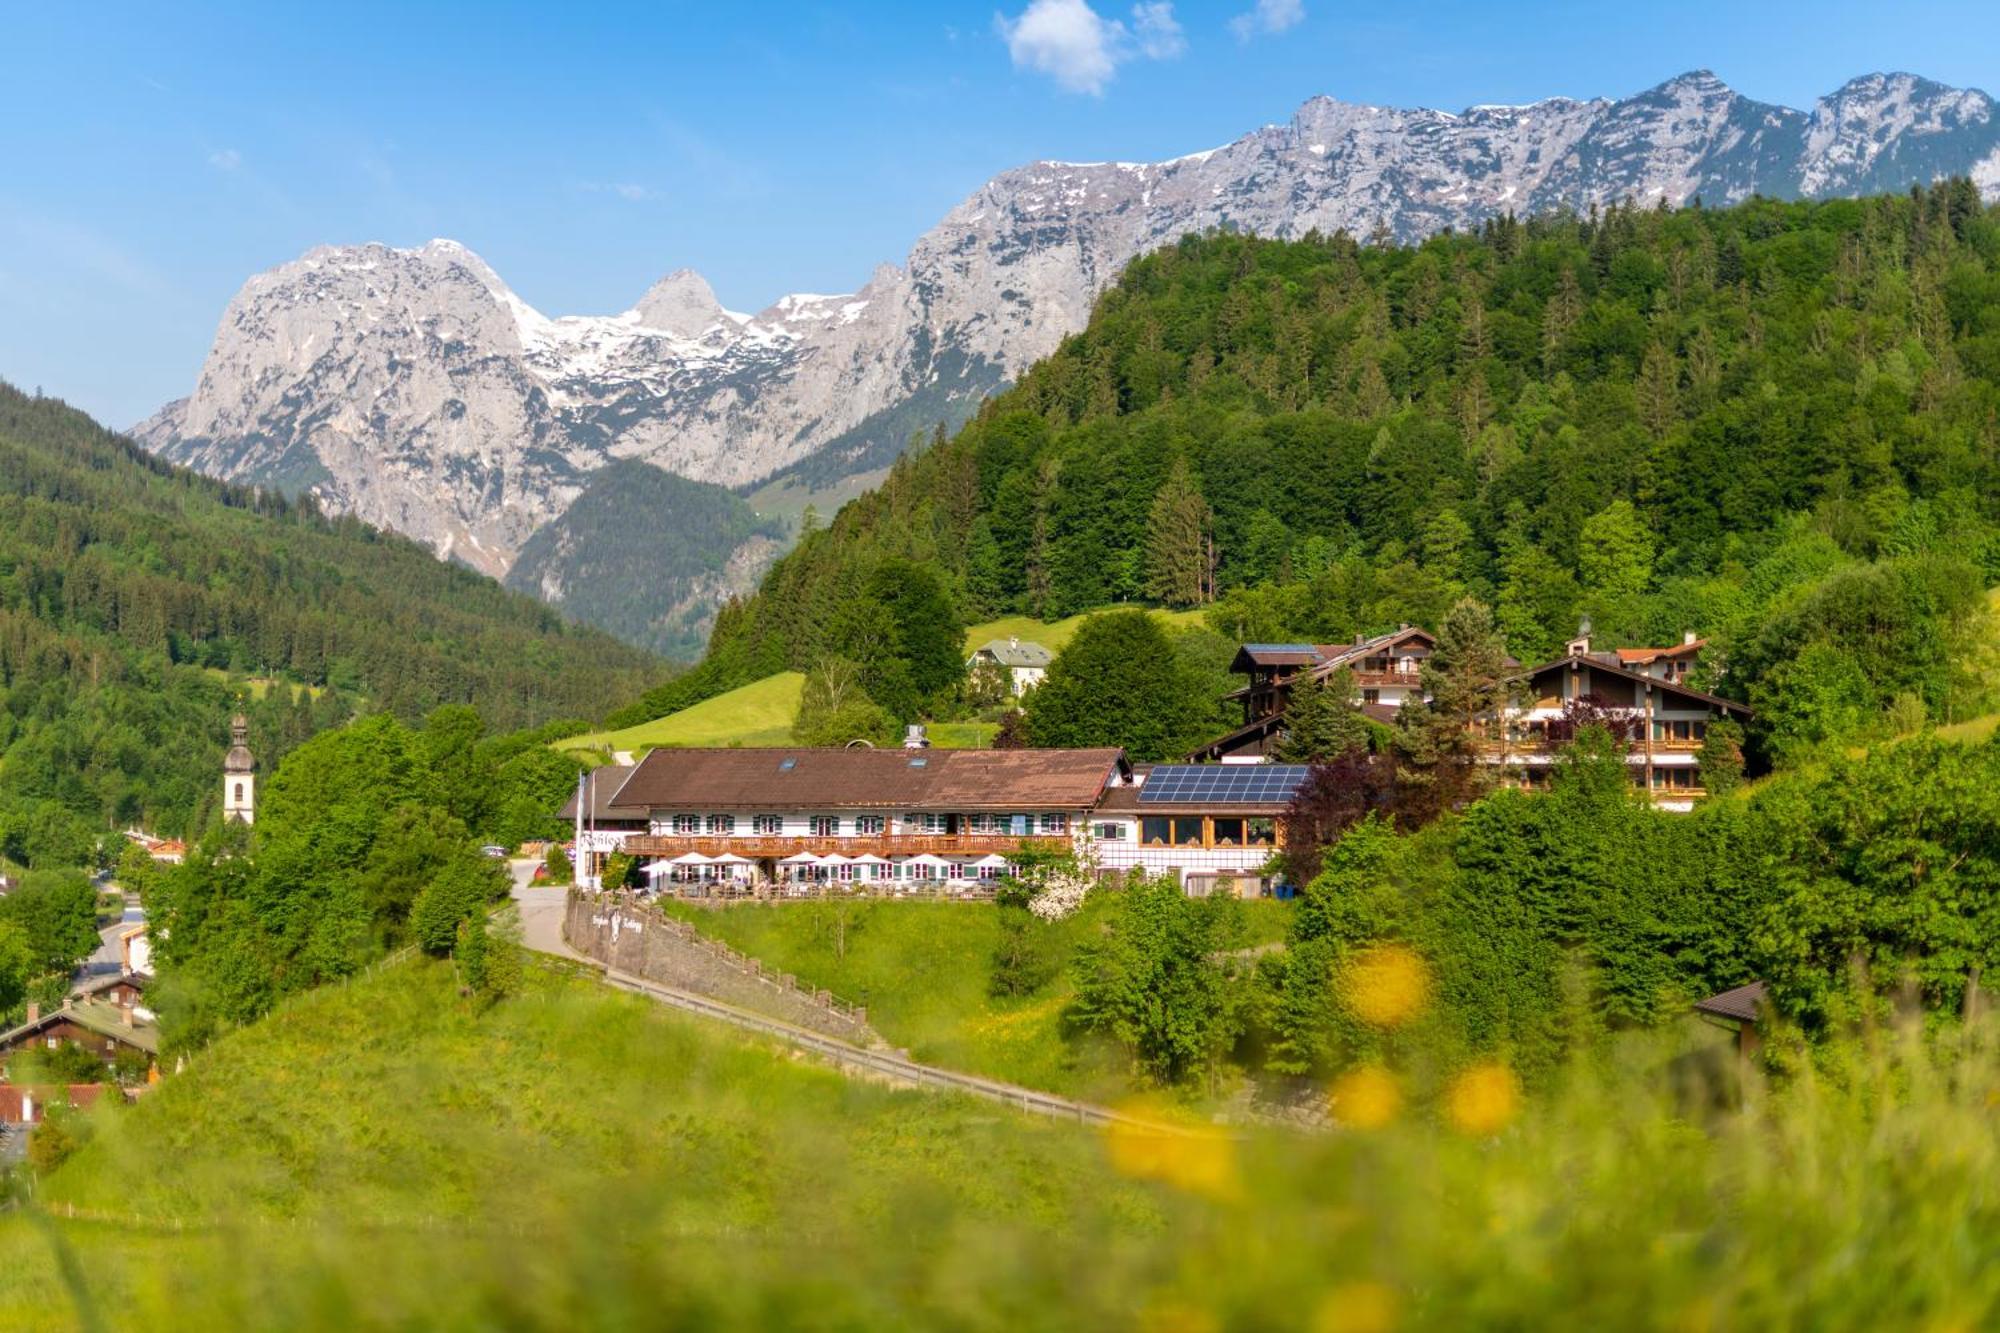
34,1012
914,737
1687,638
1580,645
1013,641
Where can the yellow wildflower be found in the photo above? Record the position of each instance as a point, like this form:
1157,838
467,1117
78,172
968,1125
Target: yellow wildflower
1356,1307
1483,1098
1386,985
1365,1098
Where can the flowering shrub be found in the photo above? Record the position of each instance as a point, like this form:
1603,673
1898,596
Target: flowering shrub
1060,892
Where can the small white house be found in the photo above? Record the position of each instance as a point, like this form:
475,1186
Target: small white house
1024,663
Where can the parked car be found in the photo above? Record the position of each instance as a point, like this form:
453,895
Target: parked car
495,851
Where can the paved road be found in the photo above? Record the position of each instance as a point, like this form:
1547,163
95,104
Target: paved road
541,908
106,960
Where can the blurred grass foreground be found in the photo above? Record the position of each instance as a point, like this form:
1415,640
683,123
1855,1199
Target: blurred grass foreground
384,1154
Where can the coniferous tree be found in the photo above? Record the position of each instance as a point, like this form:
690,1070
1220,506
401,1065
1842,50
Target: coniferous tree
1177,541
1322,721
1465,687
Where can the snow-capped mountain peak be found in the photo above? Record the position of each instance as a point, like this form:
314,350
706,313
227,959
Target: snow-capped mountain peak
413,387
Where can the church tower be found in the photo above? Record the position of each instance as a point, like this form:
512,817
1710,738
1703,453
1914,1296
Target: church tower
239,774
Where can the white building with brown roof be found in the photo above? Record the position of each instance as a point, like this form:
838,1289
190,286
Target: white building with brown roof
1638,692
793,816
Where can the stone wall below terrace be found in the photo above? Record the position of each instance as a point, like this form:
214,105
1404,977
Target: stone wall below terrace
638,939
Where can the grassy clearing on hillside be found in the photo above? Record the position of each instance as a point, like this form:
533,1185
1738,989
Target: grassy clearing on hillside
377,1156
963,735
1053,634
787,500
923,970
259,687
759,713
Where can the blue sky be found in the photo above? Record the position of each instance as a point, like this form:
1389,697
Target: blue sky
153,156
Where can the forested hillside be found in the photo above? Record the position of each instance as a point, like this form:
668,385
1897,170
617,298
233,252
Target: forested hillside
647,555
1770,424
137,599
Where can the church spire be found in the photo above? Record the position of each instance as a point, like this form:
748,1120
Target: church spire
239,770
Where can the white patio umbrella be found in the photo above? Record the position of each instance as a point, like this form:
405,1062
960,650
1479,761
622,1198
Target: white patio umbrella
928,859
688,859
996,862
730,859
800,859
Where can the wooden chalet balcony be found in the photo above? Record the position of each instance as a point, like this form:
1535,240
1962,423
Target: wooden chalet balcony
1543,745
1408,680
757,847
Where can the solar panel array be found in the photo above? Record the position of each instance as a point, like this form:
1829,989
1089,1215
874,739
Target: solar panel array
1222,784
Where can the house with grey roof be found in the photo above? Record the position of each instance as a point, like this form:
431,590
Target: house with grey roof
1024,662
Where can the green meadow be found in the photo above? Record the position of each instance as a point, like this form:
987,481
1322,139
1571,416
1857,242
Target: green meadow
569,1158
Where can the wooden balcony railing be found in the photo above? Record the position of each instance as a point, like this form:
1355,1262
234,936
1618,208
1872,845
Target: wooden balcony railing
1408,680
757,847
1543,745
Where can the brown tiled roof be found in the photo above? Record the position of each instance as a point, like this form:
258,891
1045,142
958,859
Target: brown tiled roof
1745,1004
1641,656
111,981
800,778
600,786
79,1096
1335,656
98,1016
1119,800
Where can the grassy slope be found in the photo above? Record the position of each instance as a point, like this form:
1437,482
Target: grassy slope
386,1115
922,968
376,1156
1052,634
761,712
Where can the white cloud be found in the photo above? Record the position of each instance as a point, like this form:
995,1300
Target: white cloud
1159,36
225,159
630,191
1270,16
1081,49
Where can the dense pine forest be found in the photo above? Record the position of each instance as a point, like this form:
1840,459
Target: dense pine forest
632,552
138,603
1770,424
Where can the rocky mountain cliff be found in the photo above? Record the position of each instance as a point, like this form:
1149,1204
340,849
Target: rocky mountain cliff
412,387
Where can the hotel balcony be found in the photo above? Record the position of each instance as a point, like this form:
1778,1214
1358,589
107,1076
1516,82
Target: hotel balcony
759,846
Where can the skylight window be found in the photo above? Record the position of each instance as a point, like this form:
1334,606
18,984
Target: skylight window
787,764
919,761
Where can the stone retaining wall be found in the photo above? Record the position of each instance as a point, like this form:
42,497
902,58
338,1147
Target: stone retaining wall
641,940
